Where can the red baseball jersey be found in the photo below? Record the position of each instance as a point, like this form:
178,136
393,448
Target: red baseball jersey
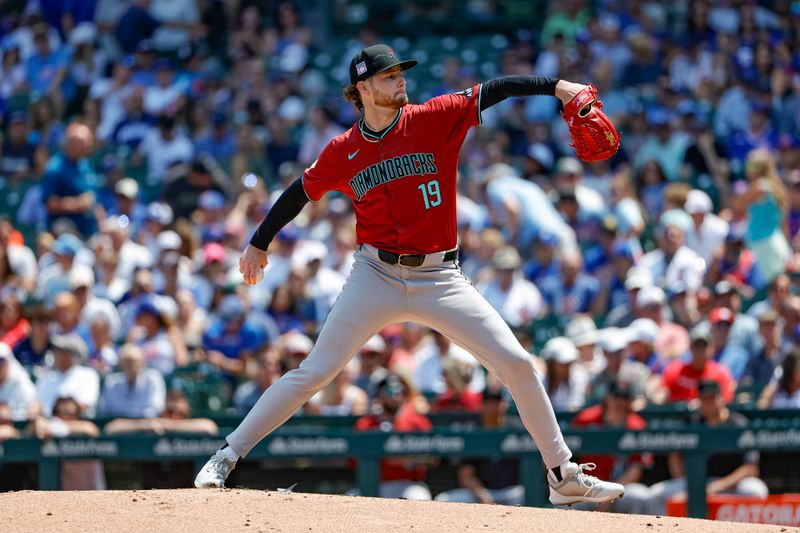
681,380
403,182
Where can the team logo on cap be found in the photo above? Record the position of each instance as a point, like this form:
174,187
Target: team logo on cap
361,68
391,53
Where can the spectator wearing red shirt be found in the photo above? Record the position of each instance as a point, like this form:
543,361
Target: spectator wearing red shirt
13,325
396,411
615,411
680,378
457,396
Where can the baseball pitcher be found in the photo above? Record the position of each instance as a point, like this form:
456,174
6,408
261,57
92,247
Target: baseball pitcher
398,165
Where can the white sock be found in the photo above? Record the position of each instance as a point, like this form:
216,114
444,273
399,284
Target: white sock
562,468
230,454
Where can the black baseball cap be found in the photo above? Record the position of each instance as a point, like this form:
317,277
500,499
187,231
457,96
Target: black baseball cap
620,389
373,60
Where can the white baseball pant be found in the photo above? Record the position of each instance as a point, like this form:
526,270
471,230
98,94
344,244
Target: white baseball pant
437,295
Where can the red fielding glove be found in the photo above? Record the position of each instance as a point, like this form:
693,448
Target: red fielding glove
594,137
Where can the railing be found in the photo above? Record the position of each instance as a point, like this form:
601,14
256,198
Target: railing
695,443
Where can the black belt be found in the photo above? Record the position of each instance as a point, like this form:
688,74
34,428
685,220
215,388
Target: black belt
413,260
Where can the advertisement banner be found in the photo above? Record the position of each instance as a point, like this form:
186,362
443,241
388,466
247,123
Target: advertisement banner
777,509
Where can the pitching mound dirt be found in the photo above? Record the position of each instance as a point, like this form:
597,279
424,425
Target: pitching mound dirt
252,511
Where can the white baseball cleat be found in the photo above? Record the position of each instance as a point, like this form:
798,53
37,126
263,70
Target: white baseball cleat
215,471
577,487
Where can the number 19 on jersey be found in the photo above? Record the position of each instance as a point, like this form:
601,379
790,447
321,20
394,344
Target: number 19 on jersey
430,193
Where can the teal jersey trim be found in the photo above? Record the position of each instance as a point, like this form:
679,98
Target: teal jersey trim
368,133
480,93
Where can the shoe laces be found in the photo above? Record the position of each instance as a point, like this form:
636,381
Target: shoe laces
583,478
221,464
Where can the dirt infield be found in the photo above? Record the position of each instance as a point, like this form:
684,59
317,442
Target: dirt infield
251,511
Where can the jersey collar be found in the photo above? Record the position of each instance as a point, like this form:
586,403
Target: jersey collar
377,136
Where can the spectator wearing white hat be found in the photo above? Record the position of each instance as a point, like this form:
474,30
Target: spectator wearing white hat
81,282
16,389
673,261
673,339
296,347
582,331
132,255
157,219
708,233
516,299
614,342
565,382
642,336
55,266
636,279
128,205
69,377
372,359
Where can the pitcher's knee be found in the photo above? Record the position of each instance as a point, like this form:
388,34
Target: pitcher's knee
312,378
516,367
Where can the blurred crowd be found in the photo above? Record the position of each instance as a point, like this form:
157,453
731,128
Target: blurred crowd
144,140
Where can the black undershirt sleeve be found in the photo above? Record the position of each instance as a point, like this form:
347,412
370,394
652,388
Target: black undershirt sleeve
287,206
496,90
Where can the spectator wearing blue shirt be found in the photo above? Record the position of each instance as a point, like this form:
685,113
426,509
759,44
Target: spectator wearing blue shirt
572,291
31,350
220,142
759,134
599,256
268,370
522,207
66,14
729,354
136,391
761,368
612,292
128,205
69,183
135,25
231,340
582,207
20,155
544,262
135,123
47,71
744,331
286,310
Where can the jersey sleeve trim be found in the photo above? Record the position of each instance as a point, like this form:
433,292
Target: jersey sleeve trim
480,94
303,186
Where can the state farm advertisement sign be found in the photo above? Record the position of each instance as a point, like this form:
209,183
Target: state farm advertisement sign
778,509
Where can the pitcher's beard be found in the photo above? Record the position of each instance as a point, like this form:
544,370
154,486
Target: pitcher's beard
391,102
